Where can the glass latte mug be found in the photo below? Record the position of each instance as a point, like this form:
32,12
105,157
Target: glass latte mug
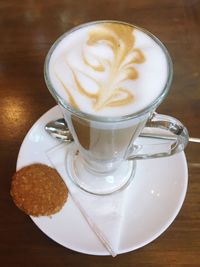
108,78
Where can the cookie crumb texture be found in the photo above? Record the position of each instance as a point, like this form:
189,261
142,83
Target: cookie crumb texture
38,190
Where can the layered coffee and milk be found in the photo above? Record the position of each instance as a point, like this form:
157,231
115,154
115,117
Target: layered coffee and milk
108,69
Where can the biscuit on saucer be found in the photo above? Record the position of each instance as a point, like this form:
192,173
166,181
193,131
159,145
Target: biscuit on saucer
38,190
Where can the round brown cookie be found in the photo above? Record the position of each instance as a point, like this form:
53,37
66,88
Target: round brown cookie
38,190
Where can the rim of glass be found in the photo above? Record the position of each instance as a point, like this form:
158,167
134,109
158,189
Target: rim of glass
154,104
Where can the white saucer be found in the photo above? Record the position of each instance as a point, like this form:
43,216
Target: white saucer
158,192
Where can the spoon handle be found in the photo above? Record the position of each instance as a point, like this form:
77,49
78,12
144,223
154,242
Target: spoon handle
164,137
194,140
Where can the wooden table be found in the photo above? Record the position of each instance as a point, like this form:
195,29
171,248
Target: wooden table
27,30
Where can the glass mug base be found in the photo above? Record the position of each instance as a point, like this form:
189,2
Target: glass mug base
94,182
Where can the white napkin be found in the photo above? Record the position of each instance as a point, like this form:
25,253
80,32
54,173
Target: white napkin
103,213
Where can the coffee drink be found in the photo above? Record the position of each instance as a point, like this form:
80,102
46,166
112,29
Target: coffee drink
108,69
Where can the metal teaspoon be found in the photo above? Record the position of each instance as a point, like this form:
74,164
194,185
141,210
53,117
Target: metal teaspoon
59,130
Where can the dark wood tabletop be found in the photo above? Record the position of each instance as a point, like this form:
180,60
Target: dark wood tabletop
27,29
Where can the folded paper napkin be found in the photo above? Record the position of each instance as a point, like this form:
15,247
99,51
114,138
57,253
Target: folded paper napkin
104,214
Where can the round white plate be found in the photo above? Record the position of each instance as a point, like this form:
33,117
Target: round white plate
158,192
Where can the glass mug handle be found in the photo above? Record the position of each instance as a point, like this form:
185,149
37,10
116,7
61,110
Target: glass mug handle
179,135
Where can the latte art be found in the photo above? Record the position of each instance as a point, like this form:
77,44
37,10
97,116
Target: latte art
103,68
120,40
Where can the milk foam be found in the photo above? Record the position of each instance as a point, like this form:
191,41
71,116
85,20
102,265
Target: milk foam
108,71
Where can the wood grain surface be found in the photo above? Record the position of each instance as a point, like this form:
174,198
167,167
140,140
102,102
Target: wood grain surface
27,29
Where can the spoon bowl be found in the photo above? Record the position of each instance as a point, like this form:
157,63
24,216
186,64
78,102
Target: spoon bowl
59,130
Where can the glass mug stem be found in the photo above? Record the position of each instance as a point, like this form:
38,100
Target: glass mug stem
179,136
